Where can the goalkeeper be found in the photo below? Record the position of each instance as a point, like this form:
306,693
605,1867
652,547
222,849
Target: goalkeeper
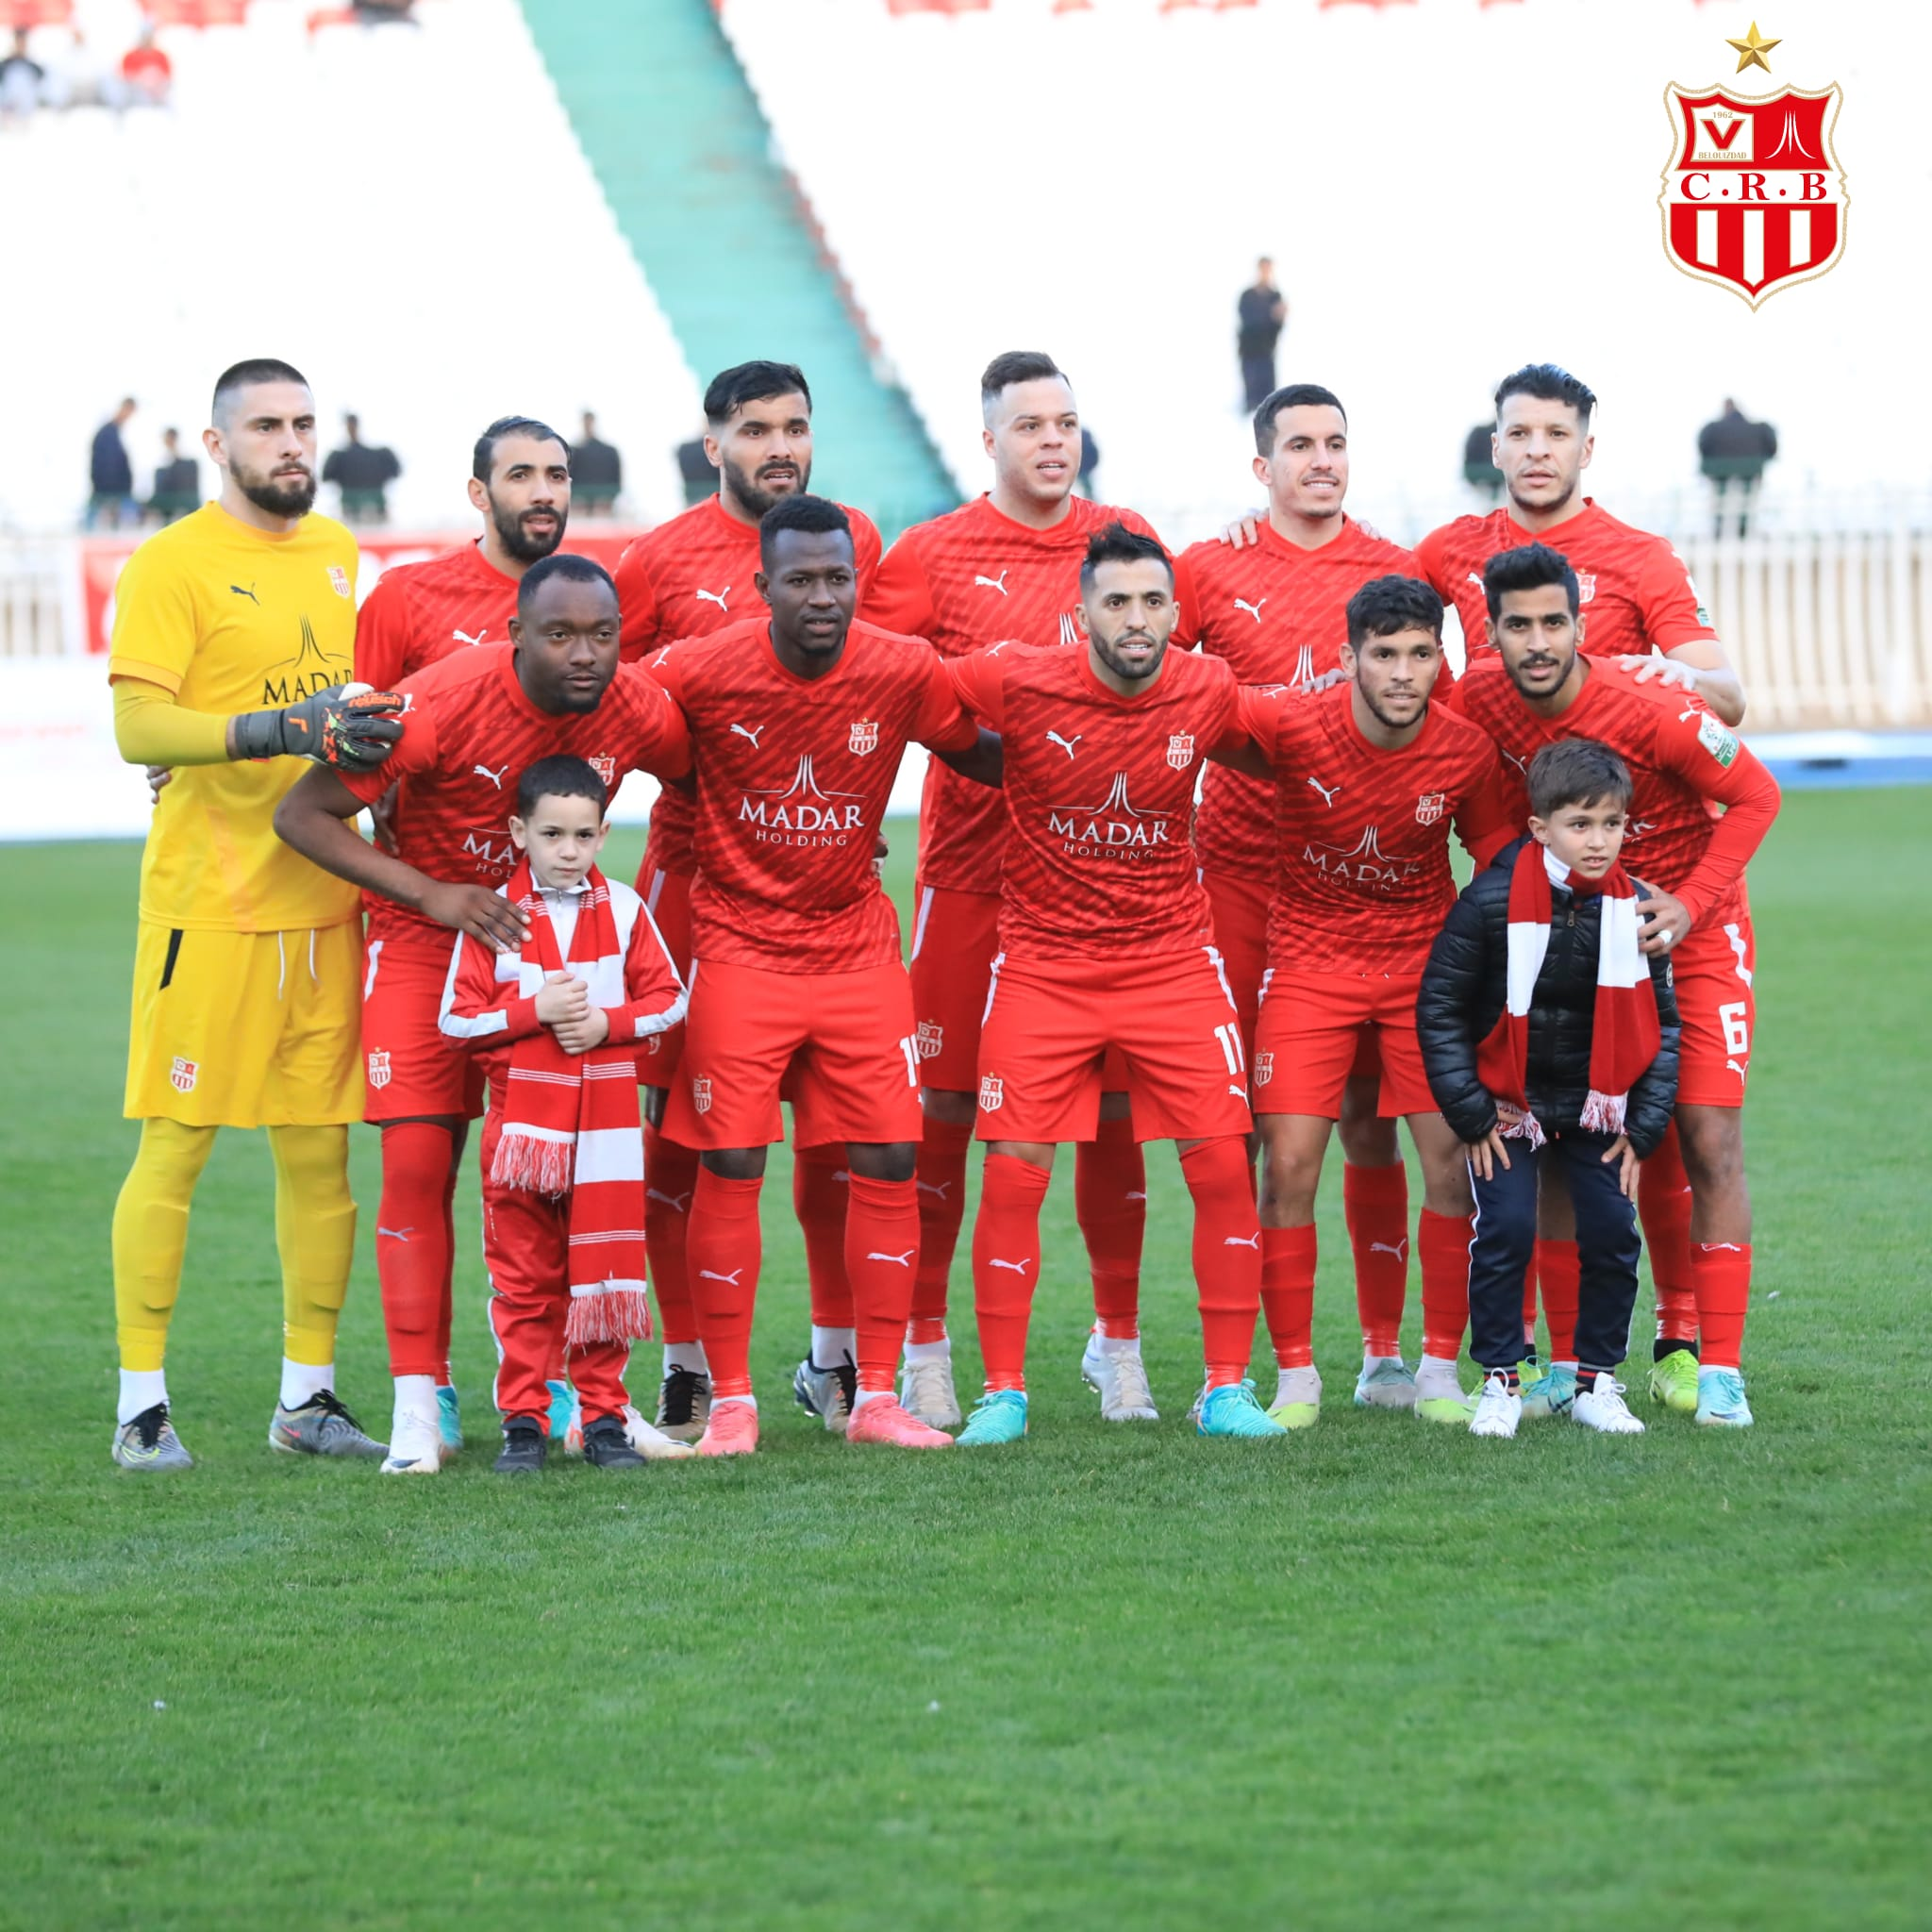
234,635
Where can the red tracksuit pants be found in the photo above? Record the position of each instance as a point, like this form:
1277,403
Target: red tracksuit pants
527,1248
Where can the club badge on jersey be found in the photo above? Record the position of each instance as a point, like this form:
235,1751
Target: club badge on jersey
605,767
1264,1069
1430,806
184,1074
1180,750
865,737
378,1069
929,1037
700,1095
992,1094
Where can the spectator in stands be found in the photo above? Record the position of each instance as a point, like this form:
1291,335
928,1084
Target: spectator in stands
1733,451
22,79
177,482
1479,469
111,475
694,471
146,75
362,471
596,472
1090,461
1263,313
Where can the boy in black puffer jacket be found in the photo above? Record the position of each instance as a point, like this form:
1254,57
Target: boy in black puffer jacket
1547,1036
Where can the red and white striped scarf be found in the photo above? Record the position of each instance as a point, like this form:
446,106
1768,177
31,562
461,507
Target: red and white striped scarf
571,1124
1624,1036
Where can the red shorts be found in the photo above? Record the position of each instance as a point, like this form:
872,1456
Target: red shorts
955,936
1312,1033
415,1071
1241,936
1051,1025
845,1037
667,899
1712,970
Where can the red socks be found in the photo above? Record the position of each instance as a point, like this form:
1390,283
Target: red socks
725,1249
881,1256
942,1184
1723,1272
1375,1202
1287,1294
414,1246
1227,1253
671,1177
1663,1206
1559,1274
1442,1248
1110,1205
1006,1264
818,1198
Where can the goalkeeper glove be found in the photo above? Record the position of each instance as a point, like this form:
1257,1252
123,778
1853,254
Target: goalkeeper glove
348,727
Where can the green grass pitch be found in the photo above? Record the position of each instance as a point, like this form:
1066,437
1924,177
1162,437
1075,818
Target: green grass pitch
1377,1674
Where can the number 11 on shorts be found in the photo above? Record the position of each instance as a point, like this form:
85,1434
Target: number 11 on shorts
909,1047
1230,1039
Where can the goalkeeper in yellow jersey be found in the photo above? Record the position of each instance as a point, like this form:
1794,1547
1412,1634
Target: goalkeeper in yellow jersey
234,635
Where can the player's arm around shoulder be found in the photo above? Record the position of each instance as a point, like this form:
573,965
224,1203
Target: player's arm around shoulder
954,696
1461,993
1252,743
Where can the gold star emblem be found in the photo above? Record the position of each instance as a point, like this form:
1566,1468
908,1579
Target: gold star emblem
1750,52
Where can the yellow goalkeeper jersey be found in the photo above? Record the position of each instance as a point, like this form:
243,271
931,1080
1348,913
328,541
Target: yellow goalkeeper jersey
231,618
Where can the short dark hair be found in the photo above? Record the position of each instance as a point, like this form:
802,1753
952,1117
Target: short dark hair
1576,771
1528,567
752,382
1295,395
483,457
559,775
1550,383
815,516
1015,365
1116,543
566,564
240,375
1384,606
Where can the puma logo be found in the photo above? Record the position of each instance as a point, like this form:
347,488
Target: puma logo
1243,1240
495,777
463,637
1399,1249
718,598
395,1234
1689,712
1721,1247
939,1188
904,1260
1327,791
1253,611
249,594
751,734
661,656
673,1202
998,583
1520,765
1017,1267
711,1275
1730,1065
1066,744
1137,1194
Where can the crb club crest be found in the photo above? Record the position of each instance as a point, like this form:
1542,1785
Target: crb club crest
700,1095
864,738
1264,1069
993,1093
1180,750
378,1068
1586,585
605,767
338,580
929,1037
183,1074
1754,199
1430,806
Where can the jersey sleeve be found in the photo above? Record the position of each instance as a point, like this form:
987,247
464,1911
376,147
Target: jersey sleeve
1429,560
1672,612
866,550
943,723
156,626
382,635
413,755
661,741
1257,716
981,685
1484,821
478,1007
898,597
1186,633
1704,752
655,996
637,603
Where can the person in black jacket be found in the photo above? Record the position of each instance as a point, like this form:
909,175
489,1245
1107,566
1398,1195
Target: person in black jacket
1535,1019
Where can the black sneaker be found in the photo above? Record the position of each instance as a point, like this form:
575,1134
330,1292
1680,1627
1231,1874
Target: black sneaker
684,1403
606,1446
827,1393
524,1446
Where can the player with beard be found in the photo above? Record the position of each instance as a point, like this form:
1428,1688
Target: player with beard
1700,807
1006,566
475,720
248,959
423,1089
688,578
1271,598
1639,608
1369,777
1106,949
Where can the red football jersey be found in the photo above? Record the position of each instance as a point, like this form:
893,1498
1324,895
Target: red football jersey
467,736
965,580
1636,592
1684,764
421,612
1099,798
1278,614
688,578
1364,883
793,776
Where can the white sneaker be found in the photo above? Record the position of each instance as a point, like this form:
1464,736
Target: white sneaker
1602,1407
1121,1377
925,1390
415,1445
651,1442
1297,1403
1498,1409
